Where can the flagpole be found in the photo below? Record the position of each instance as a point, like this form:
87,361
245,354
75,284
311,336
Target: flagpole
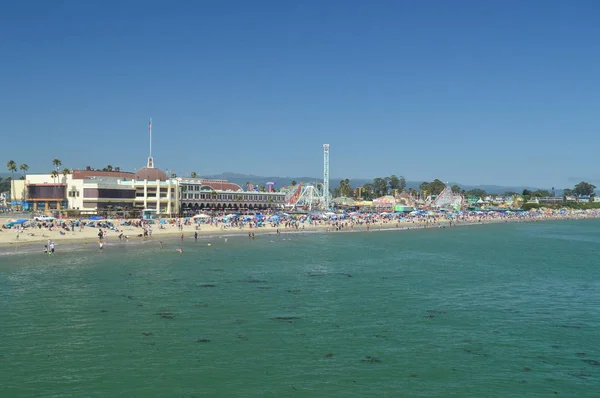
150,128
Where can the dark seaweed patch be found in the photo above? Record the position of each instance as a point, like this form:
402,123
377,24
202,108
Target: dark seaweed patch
592,362
437,312
290,319
207,285
580,375
203,341
264,287
252,280
166,315
147,334
526,369
580,354
370,359
330,355
295,291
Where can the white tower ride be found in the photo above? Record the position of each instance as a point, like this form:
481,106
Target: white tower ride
150,164
326,176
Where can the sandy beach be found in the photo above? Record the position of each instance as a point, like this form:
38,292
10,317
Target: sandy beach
34,236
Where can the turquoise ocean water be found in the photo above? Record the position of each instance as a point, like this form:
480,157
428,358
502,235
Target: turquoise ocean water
505,310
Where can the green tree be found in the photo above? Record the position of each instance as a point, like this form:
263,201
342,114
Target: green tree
567,192
397,183
380,186
108,168
11,165
584,189
480,193
367,192
194,174
455,189
540,193
294,183
56,163
344,189
66,172
436,187
24,167
54,175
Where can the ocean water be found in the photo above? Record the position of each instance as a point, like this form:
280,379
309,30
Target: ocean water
504,310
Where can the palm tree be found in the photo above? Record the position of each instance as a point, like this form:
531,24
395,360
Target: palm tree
108,168
56,163
66,172
24,167
194,174
294,183
11,165
54,175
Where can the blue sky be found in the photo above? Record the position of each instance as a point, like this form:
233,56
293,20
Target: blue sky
476,92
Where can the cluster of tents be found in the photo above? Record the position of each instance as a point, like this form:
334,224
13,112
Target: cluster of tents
11,222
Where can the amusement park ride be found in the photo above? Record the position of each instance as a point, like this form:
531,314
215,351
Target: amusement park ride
311,196
448,200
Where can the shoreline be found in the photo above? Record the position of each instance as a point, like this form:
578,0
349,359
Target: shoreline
86,240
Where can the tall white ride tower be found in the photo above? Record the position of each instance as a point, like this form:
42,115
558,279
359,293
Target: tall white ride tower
150,164
326,176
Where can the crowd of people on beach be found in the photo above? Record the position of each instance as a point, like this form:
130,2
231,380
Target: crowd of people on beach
126,229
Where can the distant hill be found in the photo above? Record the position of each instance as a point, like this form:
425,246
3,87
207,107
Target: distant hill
241,180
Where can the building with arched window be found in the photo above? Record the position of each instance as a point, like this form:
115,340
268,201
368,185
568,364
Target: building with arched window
200,194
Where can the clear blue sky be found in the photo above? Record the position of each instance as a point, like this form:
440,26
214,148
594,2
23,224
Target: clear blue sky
477,92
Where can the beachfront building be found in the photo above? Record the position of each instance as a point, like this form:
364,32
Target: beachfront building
96,192
154,193
201,194
77,192
39,192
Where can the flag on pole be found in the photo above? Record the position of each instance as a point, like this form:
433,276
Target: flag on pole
150,125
